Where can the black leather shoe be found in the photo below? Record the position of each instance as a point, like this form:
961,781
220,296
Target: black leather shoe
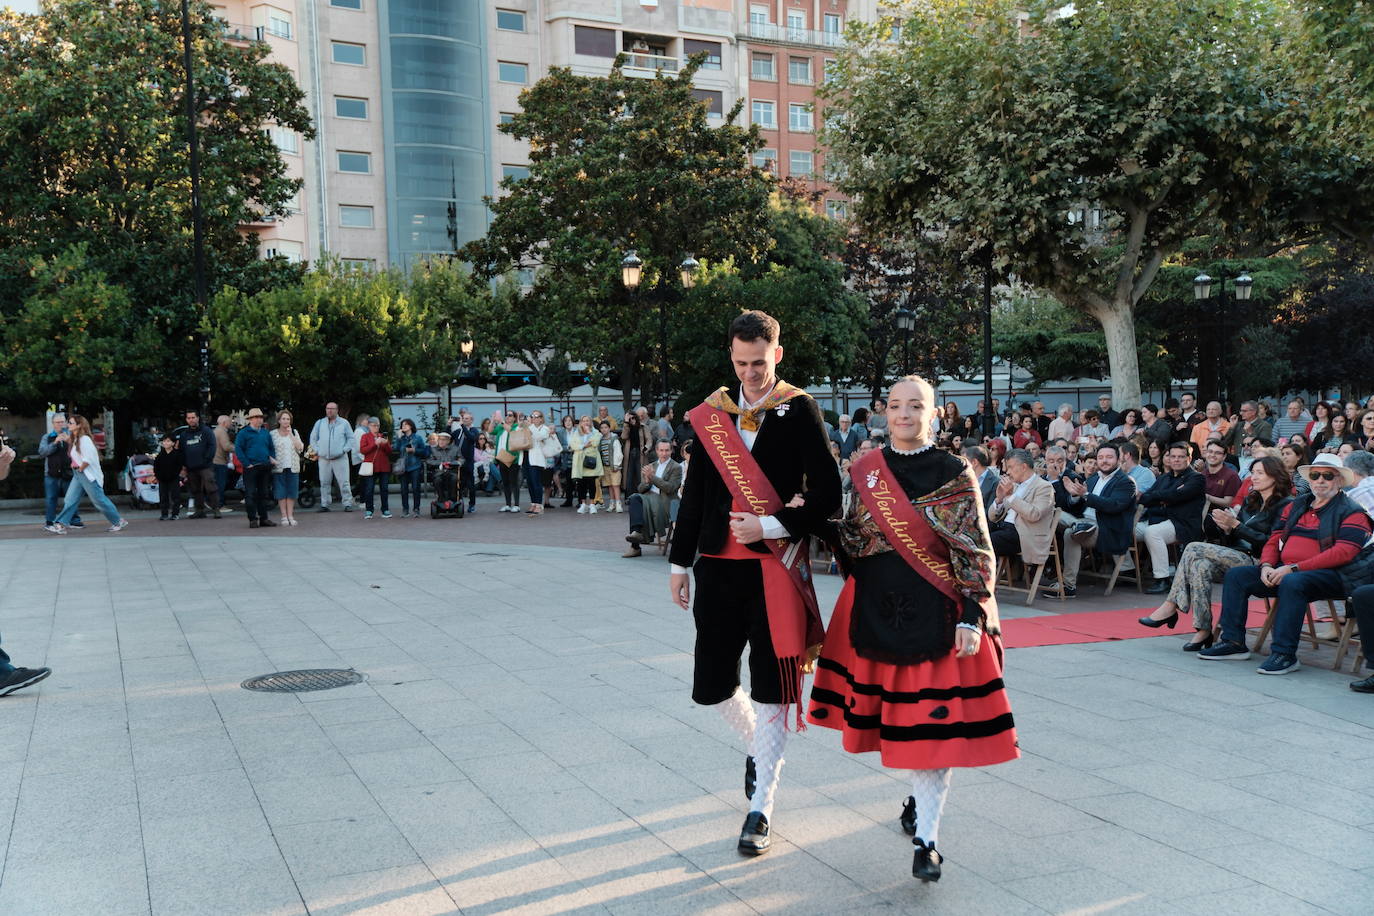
1171,620
267,523
751,777
908,818
1199,646
1157,587
1364,686
754,839
926,864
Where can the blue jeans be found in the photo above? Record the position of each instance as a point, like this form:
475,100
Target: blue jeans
53,487
1294,593
381,481
534,479
410,483
80,484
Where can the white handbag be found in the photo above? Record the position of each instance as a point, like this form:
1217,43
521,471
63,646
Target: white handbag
365,469
551,447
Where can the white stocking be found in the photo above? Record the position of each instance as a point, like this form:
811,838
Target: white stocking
770,736
929,788
738,711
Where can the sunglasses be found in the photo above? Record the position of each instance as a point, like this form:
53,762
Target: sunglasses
1322,475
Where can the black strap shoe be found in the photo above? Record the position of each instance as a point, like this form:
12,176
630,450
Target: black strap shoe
751,777
754,839
926,864
908,817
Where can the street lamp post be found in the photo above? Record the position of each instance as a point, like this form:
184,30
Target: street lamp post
197,216
906,323
1202,290
989,420
632,275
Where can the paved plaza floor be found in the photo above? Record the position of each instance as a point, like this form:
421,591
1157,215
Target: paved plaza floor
525,742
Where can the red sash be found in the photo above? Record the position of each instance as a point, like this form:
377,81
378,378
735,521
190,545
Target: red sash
751,490
902,526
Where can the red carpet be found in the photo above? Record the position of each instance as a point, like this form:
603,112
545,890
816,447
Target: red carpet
1097,626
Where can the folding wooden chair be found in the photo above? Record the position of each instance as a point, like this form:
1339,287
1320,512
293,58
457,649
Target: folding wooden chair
1269,608
1006,581
1135,554
1349,633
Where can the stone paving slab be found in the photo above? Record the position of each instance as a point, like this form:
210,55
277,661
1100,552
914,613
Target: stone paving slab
525,743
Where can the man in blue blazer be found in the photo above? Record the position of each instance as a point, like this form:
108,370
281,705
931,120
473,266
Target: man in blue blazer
1107,499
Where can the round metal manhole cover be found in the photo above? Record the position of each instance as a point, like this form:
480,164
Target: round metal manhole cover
304,681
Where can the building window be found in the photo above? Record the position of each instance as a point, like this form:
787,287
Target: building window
837,209
593,42
355,109
505,117
517,172
355,217
347,4
762,67
279,23
510,20
358,163
367,264
711,49
286,140
799,70
508,72
799,117
796,25
765,114
715,101
343,52
832,27
801,163
766,159
830,69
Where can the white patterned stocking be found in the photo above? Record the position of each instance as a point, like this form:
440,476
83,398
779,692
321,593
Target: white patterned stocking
929,788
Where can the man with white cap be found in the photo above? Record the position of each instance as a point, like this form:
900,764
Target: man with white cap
1317,534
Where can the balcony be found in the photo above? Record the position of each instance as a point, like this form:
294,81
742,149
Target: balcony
640,63
237,33
768,31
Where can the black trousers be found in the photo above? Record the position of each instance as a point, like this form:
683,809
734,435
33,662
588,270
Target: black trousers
510,483
586,487
1006,542
169,496
1362,606
730,614
257,491
203,488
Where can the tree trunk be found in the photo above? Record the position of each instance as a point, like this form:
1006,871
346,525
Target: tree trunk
1118,326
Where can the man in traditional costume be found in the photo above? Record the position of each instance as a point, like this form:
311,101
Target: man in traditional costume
912,665
755,446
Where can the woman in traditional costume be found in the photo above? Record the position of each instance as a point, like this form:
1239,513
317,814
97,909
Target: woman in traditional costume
912,663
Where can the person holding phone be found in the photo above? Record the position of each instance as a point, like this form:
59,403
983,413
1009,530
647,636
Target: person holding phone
376,450
412,452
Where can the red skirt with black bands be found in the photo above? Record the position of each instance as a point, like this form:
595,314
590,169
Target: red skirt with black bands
952,712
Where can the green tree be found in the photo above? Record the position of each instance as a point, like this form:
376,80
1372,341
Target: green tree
1084,148
345,335
900,272
619,163
76,339
93,141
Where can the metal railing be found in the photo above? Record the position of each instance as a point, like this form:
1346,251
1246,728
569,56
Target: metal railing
772,32
641,60
234,31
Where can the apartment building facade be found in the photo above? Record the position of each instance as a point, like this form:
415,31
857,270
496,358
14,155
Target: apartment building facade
407,96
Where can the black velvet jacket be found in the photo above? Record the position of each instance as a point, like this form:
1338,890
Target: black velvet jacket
794,454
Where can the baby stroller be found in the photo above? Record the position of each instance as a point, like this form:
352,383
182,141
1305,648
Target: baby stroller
138,478
446,503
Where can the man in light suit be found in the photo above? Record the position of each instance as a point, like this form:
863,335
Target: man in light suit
1022,511
650,507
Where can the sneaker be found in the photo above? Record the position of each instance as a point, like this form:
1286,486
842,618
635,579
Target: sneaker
367,516
1364,686
322,509
472,507
386,513
1279,664
348,507
592,510
1069,592
118,526
1226,651
77,524
20,678
1082,531
582,509
54,529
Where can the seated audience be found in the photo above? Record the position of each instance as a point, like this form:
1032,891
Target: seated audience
1214,426
1291,423
1157,428
1130,423
1235,537
650,505
1130,463
1361,464
1315,535
1222,481
1027,433
1061,427
1092,425
987,477
1107,501
1339,433
1173,514
1110,418
1249,425
1021,515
